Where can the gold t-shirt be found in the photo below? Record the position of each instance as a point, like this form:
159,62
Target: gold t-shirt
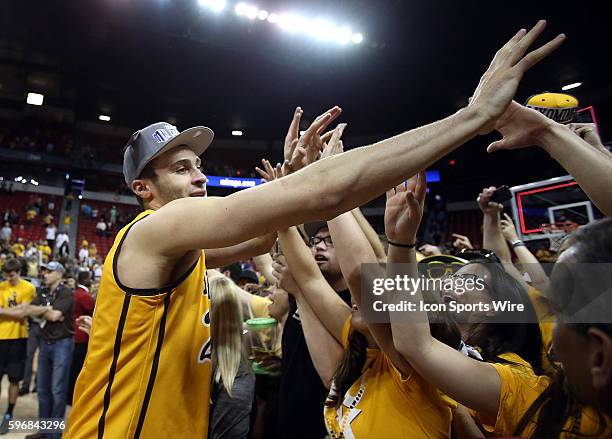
10,297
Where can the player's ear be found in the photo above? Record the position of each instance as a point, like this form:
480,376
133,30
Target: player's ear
142,189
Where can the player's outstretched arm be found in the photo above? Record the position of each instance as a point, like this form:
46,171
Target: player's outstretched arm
340,183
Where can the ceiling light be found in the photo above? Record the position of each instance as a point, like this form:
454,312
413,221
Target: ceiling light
35,99
104,118
262,15
570,86
357,38
236,133
240,9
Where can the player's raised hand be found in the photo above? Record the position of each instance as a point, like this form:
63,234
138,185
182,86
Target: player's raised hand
499,83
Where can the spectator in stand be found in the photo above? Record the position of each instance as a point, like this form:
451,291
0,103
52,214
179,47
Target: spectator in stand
20,234
101,227
56,347
31,214
113,215
6,232
94,213
67,220
32,251
47,220
93,252
32,267
15,292
45,249
18,248
62,244
51,234
97,268
86,210
84,253
83,306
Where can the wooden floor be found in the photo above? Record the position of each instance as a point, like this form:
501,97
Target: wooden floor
25,409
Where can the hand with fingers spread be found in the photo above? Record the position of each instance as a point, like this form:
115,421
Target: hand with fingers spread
283,275
293,133
508,229
404,210
335,145
309,146
270,173
487,206
462,242
499,83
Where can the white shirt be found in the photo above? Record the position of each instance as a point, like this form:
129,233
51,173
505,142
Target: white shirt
6,233
83,254
101,226
61,238
51,232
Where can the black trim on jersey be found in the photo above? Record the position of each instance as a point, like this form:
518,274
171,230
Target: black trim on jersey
146,291
111,374
160,341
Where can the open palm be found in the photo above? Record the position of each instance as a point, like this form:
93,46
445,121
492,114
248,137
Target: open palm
404,209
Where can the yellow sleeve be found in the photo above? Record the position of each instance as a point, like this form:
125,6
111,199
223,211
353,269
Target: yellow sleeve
259,306
346,330
519,388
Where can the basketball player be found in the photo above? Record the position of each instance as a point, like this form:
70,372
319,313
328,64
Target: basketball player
147,372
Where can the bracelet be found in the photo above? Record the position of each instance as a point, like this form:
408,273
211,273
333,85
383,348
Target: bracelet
397,244
517,243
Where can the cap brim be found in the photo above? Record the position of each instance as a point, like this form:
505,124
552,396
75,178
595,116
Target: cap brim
198,139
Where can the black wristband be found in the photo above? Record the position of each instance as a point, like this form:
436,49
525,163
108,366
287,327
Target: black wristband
397,244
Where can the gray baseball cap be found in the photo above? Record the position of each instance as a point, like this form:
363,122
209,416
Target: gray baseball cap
150,142
54,266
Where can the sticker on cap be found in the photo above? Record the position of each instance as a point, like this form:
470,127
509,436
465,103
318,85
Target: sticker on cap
164,134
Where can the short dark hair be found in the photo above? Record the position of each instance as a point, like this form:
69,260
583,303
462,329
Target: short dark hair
84,277
147,172
234,269
12,265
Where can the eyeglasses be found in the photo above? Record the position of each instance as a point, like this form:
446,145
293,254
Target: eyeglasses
438,269
317,239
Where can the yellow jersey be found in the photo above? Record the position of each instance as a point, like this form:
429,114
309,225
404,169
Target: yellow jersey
384,403
520,387
12,296
147,372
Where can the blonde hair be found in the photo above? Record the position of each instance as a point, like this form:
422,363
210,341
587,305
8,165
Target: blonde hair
226,331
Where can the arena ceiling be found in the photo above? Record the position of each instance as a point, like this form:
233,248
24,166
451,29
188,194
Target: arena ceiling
145,60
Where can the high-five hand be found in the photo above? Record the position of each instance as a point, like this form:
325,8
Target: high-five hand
404,210
499,83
